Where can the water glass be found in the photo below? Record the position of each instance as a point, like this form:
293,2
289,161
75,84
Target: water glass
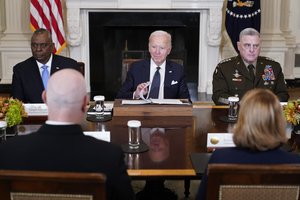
134,131
3,126
99,105
233,107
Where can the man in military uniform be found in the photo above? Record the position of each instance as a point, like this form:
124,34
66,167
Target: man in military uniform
236,75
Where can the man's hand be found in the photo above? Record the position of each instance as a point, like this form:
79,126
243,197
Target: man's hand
141,90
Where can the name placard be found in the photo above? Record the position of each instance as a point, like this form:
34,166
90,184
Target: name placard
36,109
217,140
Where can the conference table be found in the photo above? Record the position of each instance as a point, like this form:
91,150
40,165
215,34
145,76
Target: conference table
169,154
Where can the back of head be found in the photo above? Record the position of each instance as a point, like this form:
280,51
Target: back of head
260,125
66,93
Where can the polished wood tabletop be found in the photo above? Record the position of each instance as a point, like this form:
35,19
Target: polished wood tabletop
169,150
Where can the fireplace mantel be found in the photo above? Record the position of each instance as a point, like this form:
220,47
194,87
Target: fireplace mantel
209,38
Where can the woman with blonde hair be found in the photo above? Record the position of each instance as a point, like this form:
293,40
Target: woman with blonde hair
258,135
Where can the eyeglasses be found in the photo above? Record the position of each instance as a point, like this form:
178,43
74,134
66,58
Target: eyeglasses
41,45
251,46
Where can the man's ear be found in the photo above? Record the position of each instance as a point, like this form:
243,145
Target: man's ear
44,97
85,103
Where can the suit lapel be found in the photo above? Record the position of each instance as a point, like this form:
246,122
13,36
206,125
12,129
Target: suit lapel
36,74
55,64
168,74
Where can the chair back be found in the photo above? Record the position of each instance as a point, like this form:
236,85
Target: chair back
80,66
245,182
37,185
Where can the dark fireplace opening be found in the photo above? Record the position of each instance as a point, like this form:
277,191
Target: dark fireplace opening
115,37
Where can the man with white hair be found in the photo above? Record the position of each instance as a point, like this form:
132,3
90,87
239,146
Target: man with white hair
158,77
236,75
60,145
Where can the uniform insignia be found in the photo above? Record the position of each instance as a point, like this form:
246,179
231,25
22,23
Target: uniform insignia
268,73
236,74
225,60
237,79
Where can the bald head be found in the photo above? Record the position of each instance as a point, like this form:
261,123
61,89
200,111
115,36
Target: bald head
66,96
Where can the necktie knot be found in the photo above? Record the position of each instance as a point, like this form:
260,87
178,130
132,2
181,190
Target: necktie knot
45,75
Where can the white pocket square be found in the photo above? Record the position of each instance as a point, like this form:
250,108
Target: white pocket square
174,82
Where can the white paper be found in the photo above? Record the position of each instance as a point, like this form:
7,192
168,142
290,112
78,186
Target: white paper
36,109
100,135
215,140
153,101
135,102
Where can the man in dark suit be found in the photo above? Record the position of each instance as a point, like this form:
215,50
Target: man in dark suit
27,84
232,77
60,145
172,83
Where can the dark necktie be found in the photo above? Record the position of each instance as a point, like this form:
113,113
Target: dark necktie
45,76
155,85
251,72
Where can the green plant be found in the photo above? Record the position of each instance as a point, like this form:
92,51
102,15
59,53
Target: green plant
12,111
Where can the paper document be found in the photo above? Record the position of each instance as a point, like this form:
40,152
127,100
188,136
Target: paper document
100,135
36,109
152,101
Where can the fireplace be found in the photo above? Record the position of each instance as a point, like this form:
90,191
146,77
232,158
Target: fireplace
115,37
196,37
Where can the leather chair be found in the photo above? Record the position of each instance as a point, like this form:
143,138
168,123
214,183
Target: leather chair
34,185
81,67
245,182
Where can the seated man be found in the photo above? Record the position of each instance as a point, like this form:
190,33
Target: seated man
167,77
60,145
27,81
236,75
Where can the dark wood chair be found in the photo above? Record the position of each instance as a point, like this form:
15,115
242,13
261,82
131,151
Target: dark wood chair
81,67
245,182
37,185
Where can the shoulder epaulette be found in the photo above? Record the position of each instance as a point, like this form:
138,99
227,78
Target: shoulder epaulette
267,58
227,60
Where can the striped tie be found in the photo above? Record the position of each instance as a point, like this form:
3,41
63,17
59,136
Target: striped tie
45,76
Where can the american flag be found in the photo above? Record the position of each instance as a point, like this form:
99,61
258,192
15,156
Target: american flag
48,14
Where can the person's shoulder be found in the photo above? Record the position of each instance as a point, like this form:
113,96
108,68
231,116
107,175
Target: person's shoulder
267,60
23,64
228,63
59,57
228,60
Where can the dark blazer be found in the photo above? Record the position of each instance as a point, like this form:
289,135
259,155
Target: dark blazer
231,78
175,86
66,148
27,84
246,156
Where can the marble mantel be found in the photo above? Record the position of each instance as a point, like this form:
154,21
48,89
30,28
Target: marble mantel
209,38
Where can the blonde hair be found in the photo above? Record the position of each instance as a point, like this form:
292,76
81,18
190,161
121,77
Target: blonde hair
260,125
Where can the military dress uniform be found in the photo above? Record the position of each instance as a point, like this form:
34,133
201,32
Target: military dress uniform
232,78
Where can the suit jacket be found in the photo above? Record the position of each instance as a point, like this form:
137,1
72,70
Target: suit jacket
139,72
239,155
27,84
66,148
232,78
